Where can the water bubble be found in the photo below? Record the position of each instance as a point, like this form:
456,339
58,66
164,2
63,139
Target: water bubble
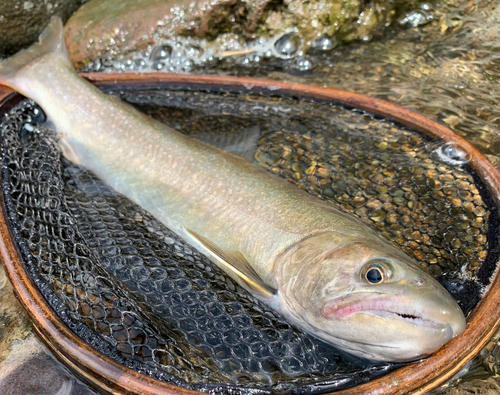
188,65
88,67
324,43
177,54
107,62
117,65
287,45
140,63
96,65
268,53
129,64
453,154
416,18
304,64
193,51
160,52
176,63
157,66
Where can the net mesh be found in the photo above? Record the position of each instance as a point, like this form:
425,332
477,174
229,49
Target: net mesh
139,294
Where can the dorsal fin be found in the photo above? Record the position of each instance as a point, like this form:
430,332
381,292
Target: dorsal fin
236,264
242,143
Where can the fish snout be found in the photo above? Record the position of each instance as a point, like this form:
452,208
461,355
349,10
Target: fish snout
438,306
432,302
394,327
457,322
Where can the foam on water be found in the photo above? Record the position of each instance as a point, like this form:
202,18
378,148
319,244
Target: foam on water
183,55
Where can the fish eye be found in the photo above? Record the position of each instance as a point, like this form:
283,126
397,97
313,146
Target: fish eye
376,272
374,275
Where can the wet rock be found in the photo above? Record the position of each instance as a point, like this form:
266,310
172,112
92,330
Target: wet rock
30,369
22,21
26,366
100,28
14,325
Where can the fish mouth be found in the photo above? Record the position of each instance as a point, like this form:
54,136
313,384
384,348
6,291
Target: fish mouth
342,307
396,327
411,318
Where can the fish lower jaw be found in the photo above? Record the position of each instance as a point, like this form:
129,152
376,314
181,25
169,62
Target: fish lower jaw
411,318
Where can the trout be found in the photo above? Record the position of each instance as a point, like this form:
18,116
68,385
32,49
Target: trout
323,270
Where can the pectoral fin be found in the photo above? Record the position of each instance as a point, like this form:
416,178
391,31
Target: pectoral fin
236,264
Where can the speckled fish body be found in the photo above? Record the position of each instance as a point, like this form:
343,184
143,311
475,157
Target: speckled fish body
324,270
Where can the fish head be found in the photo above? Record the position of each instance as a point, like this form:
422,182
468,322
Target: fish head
368,298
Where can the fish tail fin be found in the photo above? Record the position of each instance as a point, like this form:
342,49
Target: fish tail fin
50,42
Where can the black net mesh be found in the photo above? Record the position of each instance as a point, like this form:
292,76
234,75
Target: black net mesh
137,293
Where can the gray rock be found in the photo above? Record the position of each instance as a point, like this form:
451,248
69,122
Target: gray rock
30,369
22,21
26,366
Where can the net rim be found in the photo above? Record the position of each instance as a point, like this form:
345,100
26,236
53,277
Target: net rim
107,375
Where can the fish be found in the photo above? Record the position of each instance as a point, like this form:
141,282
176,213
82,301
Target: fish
323,270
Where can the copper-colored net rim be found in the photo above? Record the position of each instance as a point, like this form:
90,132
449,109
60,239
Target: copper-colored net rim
108,376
